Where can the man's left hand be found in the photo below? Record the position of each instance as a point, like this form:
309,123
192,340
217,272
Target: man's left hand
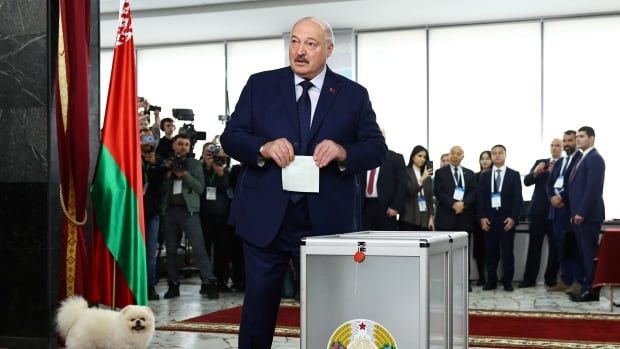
391,212
180,173
578,219
458,207
509,223
327,151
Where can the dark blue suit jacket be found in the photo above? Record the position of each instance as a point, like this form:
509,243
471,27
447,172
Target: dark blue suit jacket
539,205
564,212
585,191
266,111
511,195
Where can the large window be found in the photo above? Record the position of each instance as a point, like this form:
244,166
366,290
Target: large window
185,77
484,89
582,87
392,66
248,57
105,68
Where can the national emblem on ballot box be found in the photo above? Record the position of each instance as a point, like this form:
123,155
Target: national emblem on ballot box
384,290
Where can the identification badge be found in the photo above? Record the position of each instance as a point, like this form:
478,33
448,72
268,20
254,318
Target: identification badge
422,203
459,193
559,183
496,200
211,193
177,185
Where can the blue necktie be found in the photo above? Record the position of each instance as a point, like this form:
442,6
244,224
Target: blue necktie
498,180
304,112
457,178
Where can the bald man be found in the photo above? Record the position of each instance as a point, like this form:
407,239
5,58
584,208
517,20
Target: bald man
455,190
540,225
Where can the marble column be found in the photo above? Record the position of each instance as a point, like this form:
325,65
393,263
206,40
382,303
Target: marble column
29,202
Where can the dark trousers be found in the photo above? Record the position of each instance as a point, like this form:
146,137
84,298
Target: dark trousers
265,268
587,243
497,240
218,243
540,226
405,226
568,257
479,251
374,217
177,219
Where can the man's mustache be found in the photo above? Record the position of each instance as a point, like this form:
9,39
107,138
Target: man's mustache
301,59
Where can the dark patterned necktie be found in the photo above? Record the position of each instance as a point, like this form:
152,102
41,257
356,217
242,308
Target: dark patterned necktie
304,112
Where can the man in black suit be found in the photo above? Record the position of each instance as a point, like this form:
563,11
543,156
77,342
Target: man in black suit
499,201
571,275
384,193
540,225
455,190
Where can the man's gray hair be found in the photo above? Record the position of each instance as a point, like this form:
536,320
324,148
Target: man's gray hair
329,33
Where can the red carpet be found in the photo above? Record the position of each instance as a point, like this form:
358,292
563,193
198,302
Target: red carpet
504,329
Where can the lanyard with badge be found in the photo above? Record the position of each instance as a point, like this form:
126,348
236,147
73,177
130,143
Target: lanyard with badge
459,188
211,192
559,182
496,195
421,200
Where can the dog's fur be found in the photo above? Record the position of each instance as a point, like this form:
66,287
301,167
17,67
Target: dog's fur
92,328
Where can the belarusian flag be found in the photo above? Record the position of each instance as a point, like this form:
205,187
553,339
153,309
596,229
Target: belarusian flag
117,188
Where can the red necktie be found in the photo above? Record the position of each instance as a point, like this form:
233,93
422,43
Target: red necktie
371,181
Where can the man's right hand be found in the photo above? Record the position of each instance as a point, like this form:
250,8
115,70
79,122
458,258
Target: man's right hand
485,224
279,150
556,201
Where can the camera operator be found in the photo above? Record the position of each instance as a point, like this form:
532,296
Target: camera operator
144,116
181,190
164,148
152,176
214,209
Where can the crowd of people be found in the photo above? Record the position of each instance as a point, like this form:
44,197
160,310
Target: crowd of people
321,124
566,207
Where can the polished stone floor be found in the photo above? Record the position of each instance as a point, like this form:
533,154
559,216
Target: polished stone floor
191,304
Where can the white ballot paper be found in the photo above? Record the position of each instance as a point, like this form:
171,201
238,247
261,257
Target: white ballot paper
301,175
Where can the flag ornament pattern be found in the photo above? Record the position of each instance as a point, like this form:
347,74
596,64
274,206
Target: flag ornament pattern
117,187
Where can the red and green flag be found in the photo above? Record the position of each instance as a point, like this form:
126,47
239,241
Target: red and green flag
118,255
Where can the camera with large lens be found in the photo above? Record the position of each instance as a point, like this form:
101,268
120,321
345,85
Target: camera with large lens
215,149
178,163
188,128
154,108
148,143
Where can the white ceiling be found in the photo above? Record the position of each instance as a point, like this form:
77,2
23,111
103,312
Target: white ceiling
182,21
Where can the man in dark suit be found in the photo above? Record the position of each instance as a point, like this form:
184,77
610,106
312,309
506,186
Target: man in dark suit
540,225
571,275
384,193
585,194
455,190
499,201
333,122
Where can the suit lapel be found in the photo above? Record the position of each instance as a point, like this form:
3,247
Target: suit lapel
286,86
328,93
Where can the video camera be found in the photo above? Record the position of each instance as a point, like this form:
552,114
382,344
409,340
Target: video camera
178,163
188,128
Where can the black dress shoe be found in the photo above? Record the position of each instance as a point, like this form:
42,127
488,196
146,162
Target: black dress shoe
209,290
152,294
173,290
508,288
587,296
489,286
481,282
526,283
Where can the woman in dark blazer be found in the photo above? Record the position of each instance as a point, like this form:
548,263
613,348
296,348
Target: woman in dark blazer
479,250
419,209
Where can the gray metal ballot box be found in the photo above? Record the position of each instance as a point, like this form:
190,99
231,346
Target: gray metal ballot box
410,290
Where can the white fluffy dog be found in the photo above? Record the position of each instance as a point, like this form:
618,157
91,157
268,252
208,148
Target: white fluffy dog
92,328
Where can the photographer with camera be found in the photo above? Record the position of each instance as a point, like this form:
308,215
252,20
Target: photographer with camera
152,176
214,209
181,190
144,116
